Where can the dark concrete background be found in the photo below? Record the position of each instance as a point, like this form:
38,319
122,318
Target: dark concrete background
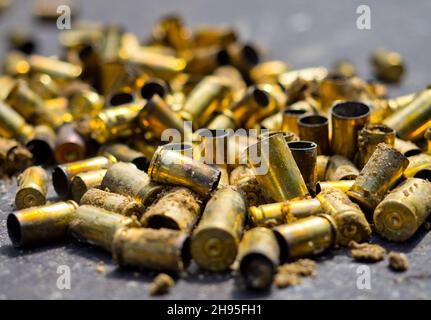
302,32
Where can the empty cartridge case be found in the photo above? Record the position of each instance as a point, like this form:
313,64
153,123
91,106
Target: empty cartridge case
125,179
13,157
290,119
268,71
407,148
112,202
69,145
122,97
305,154
388,65
215,240
42,144
427,136
411,121
258,256
62,174
162,249
85,102
343,185
315,128
419,167
84,181
206,60
344,68
154,86
273,214
124,153
321,167
347,119
171,167
403,210
210,36
179,209
370,136
244,56
381,172
40,224
306,237
277,172
98,226
116,122
55,68
351,222
31,188
341,168
13,125
308,74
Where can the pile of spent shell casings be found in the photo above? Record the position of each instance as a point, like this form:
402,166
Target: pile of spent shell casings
133,130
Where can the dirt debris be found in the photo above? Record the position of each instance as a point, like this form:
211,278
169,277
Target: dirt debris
161,284
291,274
398,261
367,252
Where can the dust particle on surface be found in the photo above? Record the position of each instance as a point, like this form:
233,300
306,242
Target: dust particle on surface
161,284
101,267
367,252
284,280
398,261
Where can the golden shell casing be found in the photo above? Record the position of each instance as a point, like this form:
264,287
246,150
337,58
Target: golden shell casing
305,154
258,256
171,167
112,202
209,36
344,68
13,125
244,179
347,118
69,145
407,148
388,65
162,249
214,244
85,102
40,224
411,121
403,210
98,226
315,128
178,209
419,167
84,181
306,237
62,174
42,144
341,168
45,86
31,188
322,162
351,222
13,157
124,153
381,172
370,136
55,68
427,137
273,214
308,74
125,179
282,178
268,71
343,185
290,119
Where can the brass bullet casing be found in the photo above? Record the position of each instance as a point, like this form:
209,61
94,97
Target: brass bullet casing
235,79
210,36
343,185
351,222
381,172
411,121
62,174
315,128
40,224
13,157
44,86
162,249
16,64
419,167
321,167
388,65
211,94
306,237
127,180
31,188
171,31
56,113
273,122
214,146
403,210
157,117
258,256
244,56
274,214
171,167
206,60
427,136
112,202
344,68
154,86
85,102
305,155
215,240
370,136
268,71
122,96
42,144
407,148
277,173
308,74
348,118
98,226
84,181
13,125
341,168
55,68
116,122
124,153
69,145
290,119
178,208
48,10
6,84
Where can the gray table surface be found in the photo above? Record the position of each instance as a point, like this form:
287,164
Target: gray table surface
302,32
